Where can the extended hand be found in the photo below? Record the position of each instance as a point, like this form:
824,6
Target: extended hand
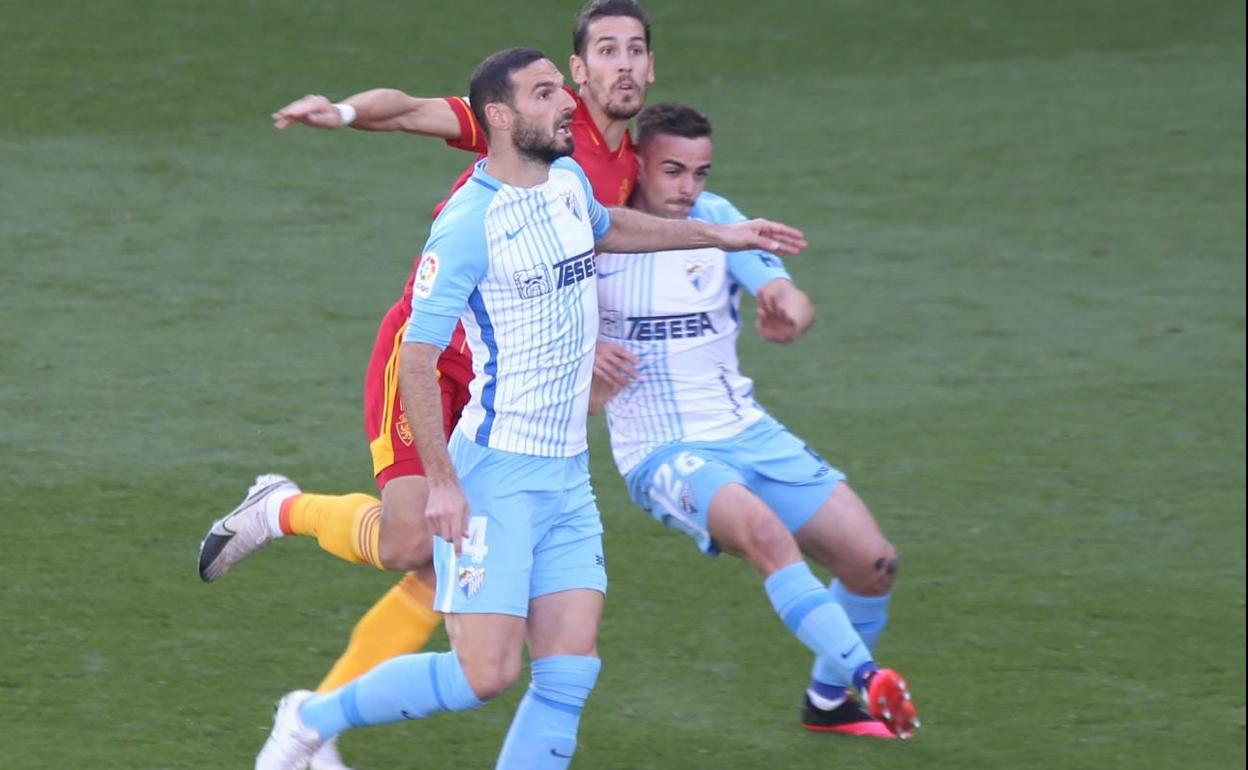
784,311
614,365
447,513
312,110
762,234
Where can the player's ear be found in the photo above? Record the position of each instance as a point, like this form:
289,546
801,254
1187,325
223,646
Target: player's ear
498,115
650,77
576,66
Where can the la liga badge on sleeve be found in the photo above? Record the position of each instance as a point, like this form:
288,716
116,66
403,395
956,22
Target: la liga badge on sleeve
426,274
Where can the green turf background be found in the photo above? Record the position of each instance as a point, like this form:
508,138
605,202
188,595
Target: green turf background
1027,248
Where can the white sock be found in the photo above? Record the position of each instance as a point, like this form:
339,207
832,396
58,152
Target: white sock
273,510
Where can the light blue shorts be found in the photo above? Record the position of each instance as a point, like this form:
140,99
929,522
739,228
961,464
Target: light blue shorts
676,483
533,529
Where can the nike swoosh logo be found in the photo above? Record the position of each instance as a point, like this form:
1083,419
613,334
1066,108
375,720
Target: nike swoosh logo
554,753
511,234
847,653
606,274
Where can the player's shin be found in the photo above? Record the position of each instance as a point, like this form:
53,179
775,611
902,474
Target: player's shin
348,526
399,623
869,615
817,621
543,733
408,687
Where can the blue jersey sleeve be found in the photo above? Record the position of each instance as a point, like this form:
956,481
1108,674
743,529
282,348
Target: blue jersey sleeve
752,269
599,217
454,261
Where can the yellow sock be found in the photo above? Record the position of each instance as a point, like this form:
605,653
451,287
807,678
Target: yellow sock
348,526
400,622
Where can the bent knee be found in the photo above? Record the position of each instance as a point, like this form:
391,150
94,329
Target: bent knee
490,680
875,573
405,546
405,556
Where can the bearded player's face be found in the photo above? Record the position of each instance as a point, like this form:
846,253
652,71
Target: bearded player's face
542,114
616,68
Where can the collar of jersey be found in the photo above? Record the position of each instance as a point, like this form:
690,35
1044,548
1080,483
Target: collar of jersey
483,178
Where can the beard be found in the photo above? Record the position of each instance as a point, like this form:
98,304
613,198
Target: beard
531,142
622,112
619,106
619,111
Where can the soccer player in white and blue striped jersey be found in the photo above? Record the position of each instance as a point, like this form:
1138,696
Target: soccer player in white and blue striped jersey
702,456
518,546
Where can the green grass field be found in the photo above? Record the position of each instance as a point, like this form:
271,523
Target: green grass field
1028,250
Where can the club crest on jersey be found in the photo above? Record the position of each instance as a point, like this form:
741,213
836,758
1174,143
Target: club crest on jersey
426,274
697,268
573,205
471,579
532,282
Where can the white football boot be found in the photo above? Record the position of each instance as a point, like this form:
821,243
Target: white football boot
244,530
327,757
291,744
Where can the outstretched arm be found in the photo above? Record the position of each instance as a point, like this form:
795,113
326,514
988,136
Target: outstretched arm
381,109
784,311
446,509
632,231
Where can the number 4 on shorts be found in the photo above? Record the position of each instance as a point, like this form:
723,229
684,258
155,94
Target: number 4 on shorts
474,541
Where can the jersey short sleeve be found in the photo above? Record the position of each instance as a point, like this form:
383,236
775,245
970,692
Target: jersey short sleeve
752,269
454,261
471,136
599,217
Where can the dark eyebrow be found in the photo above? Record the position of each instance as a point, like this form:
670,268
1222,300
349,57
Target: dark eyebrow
675,163
613,39
546,84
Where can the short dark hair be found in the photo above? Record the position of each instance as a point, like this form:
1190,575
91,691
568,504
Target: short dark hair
671,119
597,9
491,81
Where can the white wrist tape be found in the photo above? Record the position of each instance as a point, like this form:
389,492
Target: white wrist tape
346,114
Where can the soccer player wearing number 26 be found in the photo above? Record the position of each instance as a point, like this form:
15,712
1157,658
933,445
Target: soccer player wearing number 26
702,456
518,547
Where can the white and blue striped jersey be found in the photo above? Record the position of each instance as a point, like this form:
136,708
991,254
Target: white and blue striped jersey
516,265
678,312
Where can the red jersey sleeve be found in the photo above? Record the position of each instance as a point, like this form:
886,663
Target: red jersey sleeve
471,137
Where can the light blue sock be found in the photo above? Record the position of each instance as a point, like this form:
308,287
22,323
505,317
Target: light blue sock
543,732
816,619
869,614
406,687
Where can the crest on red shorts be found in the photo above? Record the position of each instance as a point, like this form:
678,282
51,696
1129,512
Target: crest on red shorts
404,430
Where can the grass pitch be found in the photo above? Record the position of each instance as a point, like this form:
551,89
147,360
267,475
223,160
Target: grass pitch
1027,250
